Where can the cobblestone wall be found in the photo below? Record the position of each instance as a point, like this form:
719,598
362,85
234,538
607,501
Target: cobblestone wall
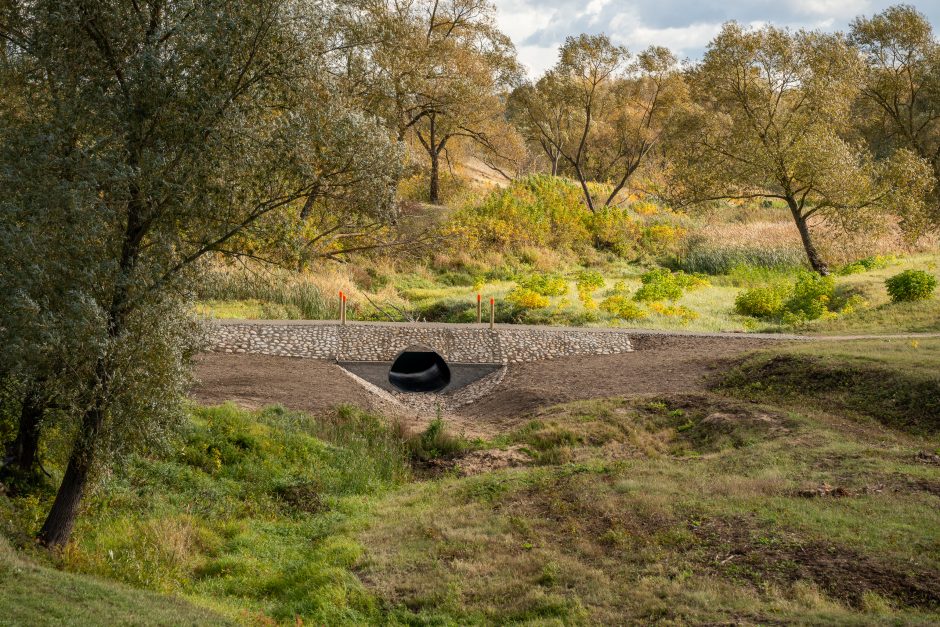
461,343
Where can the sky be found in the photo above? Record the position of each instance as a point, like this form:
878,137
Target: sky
538,27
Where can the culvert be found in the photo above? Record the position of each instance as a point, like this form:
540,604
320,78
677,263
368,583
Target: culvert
419,369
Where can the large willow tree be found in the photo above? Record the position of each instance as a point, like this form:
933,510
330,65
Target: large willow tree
772,119
138,137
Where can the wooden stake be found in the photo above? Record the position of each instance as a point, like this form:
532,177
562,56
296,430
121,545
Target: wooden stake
479,309
492,312
341,301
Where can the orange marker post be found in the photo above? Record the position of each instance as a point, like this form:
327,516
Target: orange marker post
479,309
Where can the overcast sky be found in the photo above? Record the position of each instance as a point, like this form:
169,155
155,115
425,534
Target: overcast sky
538,26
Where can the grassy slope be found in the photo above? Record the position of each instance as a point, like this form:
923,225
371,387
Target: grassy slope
31,594
684,509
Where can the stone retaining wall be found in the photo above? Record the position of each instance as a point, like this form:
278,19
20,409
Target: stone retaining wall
461,343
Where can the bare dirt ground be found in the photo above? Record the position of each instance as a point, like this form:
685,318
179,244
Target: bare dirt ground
662,364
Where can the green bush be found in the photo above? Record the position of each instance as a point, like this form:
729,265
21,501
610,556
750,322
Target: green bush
811,297
590,280
761,302
545,284
620,306
911,285
661,284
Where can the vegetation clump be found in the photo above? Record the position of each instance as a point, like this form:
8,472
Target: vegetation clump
911,285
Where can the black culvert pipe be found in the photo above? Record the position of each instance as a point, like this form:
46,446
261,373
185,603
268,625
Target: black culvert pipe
419,369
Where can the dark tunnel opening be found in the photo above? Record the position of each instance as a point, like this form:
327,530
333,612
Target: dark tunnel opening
419,369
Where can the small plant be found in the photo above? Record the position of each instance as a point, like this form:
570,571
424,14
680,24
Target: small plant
622,307
588,282
524,298
761,302
435,442
911,285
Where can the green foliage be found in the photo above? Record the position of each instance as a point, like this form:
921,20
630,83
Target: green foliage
590,280
622,307
663,284
537,210
761,302
911,285
252,509
875,262
658,284
296,297
435,442
545,284
811,296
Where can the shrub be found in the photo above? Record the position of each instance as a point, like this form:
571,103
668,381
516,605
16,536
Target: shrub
911,285
811,296
527,299
685,314
590,280
761,302
621,307
613,228
545,284
875,262
661,238
658,284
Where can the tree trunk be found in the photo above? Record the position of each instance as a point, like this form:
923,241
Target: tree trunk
554,165
434,192
58,526
584,188
815,260
23,452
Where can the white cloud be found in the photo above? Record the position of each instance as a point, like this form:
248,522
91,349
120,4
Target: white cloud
538,27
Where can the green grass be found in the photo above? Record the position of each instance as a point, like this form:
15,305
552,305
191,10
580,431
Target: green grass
252,512
895,382
31,594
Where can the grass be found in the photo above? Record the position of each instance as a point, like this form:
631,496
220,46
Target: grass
803,507
896,382
31,594
675,510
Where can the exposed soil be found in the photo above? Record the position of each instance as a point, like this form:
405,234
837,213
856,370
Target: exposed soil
253,381
662,364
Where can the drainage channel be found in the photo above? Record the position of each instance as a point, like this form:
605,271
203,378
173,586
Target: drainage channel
420,370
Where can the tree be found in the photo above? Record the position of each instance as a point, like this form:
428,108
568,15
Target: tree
599,114
153,134
438,68
900,107
773,108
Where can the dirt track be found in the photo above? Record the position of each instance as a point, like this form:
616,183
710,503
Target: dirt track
661,364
